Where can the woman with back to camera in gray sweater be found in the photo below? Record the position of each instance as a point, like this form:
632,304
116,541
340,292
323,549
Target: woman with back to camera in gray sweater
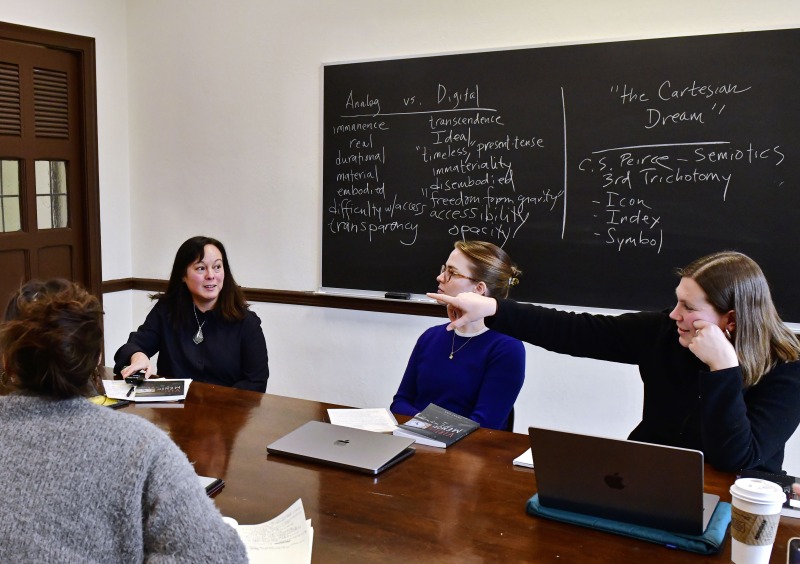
84,483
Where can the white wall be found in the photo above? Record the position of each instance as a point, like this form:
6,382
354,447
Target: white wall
212,125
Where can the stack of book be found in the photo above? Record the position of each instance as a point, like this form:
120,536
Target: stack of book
437,427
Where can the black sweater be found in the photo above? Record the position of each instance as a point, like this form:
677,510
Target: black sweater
685,405
233,353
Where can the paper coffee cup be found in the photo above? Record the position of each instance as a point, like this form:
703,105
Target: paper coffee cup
755,513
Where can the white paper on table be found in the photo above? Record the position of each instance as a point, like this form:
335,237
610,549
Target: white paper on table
793,510
285,539
378,419
525,459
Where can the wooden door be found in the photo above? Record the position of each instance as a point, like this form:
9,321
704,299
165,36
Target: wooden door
45,213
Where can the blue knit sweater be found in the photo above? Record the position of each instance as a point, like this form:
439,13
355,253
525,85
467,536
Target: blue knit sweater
481,381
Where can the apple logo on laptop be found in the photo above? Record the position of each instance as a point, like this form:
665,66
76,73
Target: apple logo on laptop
342,442
614,481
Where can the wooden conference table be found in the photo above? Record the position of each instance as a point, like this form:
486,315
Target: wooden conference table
463,504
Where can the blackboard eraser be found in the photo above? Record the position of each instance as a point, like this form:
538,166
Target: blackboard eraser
397,295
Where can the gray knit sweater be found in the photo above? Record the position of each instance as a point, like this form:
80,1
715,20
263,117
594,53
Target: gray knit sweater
83,483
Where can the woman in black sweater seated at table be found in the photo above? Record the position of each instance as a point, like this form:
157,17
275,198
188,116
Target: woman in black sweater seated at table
728,385
201,326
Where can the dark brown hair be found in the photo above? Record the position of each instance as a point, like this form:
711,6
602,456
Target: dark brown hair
52,341
231,303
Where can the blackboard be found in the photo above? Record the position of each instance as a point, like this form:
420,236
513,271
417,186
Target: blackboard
599,167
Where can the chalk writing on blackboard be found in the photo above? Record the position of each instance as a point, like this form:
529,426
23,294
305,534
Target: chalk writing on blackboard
470,190
616,162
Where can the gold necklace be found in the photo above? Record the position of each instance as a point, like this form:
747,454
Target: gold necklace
453,349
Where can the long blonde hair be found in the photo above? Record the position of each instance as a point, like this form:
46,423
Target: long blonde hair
733,281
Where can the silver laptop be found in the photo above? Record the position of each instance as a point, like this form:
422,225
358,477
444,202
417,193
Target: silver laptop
645,484
355,449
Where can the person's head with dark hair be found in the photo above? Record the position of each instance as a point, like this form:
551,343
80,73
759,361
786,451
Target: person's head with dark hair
201,275
52,339
30,291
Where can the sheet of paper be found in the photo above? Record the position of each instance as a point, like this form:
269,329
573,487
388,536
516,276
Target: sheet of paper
378,419
285,539
525,459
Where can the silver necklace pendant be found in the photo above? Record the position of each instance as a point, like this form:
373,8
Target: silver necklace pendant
198,337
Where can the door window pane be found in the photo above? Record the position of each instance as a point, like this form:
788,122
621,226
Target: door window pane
51,194
9,196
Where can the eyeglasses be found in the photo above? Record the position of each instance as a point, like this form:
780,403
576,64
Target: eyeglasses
447,272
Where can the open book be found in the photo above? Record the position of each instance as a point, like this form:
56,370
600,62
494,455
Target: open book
436,426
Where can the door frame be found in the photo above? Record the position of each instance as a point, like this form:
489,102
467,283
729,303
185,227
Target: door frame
84,49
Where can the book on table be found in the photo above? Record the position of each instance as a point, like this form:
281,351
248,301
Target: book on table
437,427
151,390
212,485
791,507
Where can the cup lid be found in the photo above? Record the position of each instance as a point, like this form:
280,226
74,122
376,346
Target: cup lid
757,490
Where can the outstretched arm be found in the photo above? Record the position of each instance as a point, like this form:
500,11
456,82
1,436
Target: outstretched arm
466,307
